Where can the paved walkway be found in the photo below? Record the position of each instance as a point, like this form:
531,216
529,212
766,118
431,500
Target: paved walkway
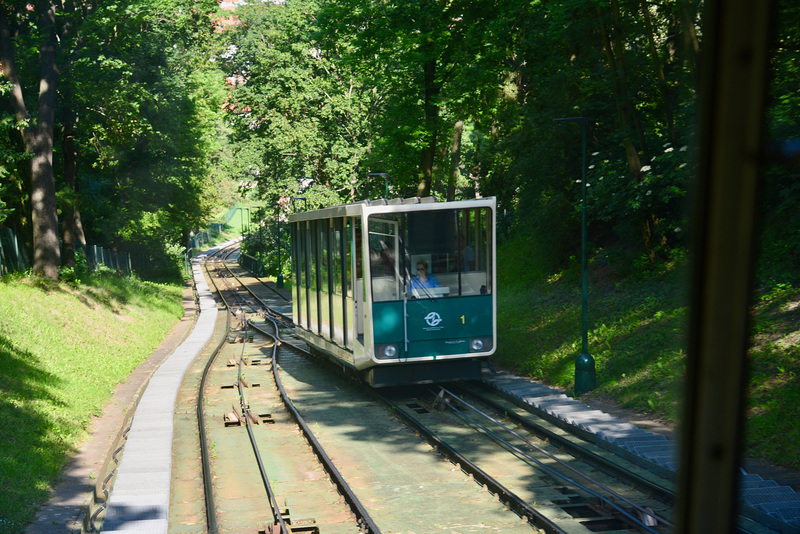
65,510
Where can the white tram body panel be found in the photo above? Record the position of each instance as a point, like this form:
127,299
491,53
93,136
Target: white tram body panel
401,291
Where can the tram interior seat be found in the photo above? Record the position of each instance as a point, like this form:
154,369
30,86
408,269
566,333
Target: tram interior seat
472,283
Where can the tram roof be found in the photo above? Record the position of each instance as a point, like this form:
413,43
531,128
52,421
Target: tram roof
395,205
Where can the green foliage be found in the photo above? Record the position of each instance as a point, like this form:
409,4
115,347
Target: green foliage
63,350
301,122
773,421
142,101
74,275
268,239
10,156
637,336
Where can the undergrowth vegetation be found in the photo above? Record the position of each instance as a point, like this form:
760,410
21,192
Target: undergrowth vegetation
637,336
63,349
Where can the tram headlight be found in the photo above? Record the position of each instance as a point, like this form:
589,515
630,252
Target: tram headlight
480,344
386,352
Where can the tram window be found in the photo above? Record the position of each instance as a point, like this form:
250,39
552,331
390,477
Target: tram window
337,278
430,232
384,258
456,244
301,283
313,257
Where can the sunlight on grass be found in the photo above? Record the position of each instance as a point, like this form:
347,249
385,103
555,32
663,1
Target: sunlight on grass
63,350
637,336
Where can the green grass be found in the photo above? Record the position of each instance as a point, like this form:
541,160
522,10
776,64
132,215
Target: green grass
637,336
63,349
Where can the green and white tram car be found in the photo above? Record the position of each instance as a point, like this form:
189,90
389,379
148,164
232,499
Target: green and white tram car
354,299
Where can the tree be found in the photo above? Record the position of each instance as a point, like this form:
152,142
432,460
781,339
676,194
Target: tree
303,122
37,129
124,132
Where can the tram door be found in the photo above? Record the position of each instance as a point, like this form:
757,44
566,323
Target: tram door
359,293
384,259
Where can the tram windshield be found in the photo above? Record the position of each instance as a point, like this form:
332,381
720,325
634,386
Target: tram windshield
430,254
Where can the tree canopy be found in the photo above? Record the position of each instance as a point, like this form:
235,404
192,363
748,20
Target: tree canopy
118,147
155,111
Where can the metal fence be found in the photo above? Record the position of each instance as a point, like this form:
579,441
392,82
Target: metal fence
252,264
14,257
119,261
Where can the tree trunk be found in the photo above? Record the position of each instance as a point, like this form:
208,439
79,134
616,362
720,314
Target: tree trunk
455,160
662,80
687,13
432,124
46,248
71,227
624,105
38,139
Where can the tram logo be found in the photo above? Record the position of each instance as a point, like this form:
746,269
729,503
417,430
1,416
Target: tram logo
433,319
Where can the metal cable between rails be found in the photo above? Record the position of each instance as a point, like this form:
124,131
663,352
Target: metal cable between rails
210,506
516,450
276,510
366,522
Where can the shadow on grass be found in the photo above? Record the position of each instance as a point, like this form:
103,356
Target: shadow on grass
31,454
636,337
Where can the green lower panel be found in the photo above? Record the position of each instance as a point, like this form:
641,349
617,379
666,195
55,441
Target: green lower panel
436,327
438,347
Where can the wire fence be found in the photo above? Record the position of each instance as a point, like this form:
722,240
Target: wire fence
15,258
203,238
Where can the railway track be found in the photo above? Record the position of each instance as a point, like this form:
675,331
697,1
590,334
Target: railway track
243,422
296,445
555,488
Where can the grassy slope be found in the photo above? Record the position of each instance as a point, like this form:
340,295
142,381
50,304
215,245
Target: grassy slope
637,335
63,349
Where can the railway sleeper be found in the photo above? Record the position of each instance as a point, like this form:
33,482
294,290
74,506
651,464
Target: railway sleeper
233,418
608,519
295,526
241,337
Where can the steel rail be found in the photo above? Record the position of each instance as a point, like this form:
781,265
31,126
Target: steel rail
277,515
211,517
508,497
513,448
658,492
207,479
264,305
366,522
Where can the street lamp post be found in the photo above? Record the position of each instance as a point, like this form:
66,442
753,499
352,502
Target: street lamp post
305,202
279,281
585,374
385,176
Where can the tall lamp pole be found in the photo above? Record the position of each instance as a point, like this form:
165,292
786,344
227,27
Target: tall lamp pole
585,374
385,177
279,281
305,202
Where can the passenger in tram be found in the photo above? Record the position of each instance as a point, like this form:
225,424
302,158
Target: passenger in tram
466,256
422,280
